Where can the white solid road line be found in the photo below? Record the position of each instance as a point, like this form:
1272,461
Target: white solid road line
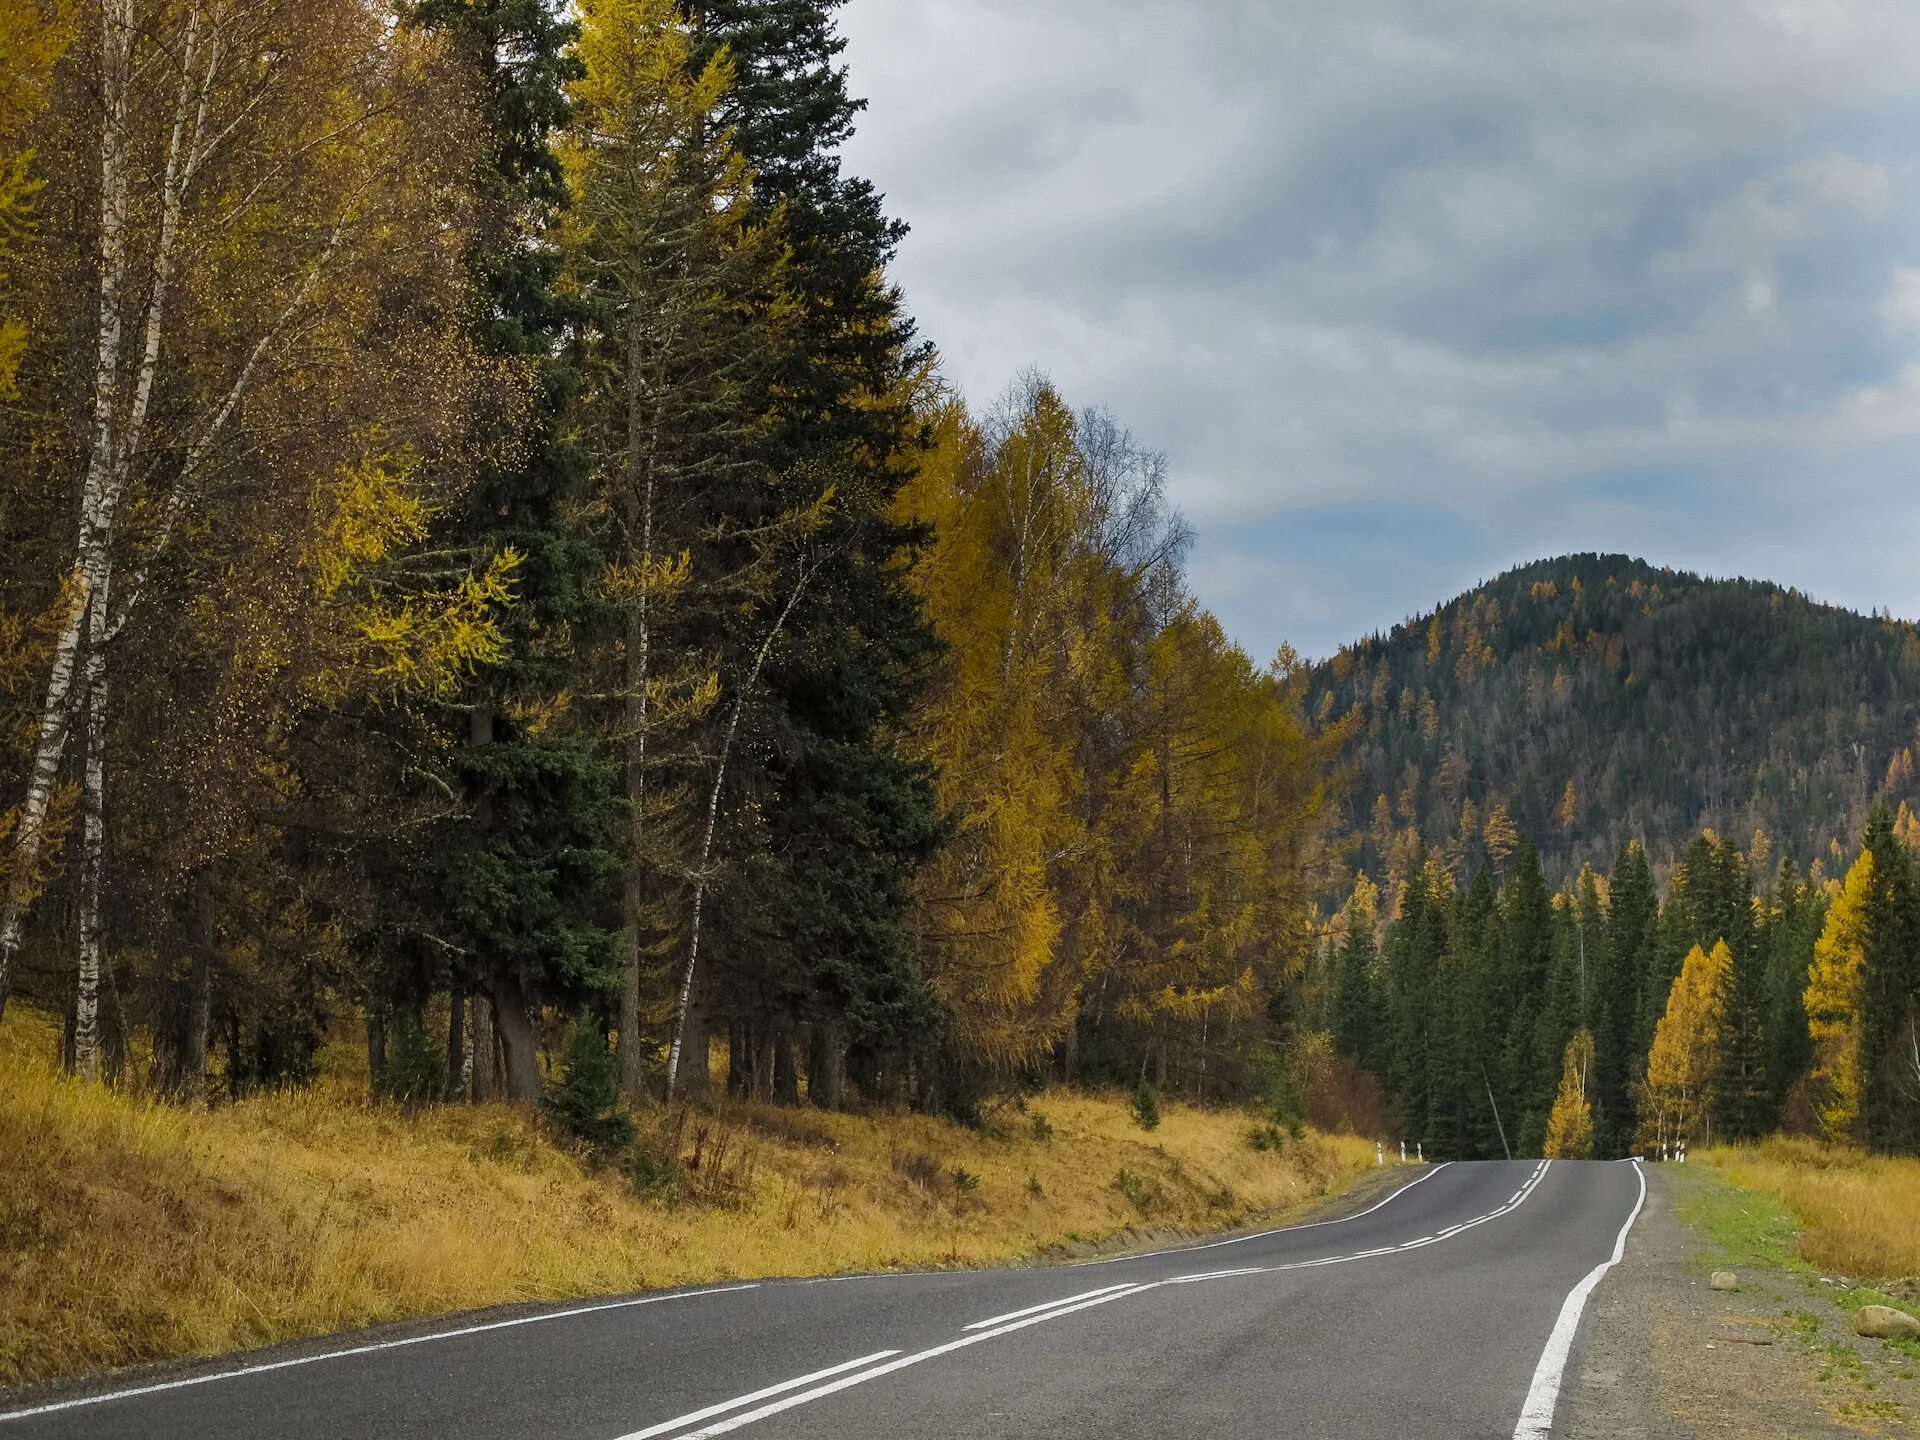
1036,1315
246,1370
1263,1234
1049,1305
680,1422
1543,1396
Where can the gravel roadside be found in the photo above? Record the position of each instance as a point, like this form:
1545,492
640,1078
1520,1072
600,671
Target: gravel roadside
1663,1355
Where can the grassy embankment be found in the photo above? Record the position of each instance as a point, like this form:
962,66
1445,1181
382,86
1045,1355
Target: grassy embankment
1856,1213
1795,1205
131,1230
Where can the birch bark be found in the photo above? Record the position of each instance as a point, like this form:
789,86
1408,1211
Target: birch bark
691,971
56,712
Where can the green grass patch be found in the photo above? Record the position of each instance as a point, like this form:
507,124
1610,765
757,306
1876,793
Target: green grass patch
1803,1325
1745,1227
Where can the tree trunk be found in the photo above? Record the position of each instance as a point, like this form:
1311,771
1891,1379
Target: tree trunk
376,1043
193,1057
93,806
739,1060
696,1074
691,974
514,1025
639,654
633,1067
456,1041
786,1079
826,1066
180,1038
481,1083
762,1080
91,563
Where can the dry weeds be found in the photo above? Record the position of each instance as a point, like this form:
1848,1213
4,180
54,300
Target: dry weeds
132,1230
1858,1213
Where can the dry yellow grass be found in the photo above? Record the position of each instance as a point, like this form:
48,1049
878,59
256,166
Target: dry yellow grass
131,1230
1858,1213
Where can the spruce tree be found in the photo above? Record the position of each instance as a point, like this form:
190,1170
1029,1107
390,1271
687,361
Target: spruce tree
1355,1005
817,927
519,886
1523,960
1890,994
1618,1040
1741,1101
1559,1018
1459,1123
1795,913
1415,944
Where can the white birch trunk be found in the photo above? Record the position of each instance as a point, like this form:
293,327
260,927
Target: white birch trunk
639,659
687,977
93,805
90,567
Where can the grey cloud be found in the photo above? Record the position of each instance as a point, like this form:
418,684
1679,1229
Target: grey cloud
1480,257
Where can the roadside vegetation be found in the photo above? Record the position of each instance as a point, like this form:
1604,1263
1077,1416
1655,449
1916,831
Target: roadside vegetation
1817,1233
132,1229
1853,1213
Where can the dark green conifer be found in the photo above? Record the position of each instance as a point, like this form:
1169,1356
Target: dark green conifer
516,889
841,818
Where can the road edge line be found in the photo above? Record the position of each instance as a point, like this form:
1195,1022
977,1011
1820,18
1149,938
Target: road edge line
1543,1395
239,1372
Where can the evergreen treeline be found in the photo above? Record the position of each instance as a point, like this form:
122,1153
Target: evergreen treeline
484,551
1593,699
1504,1017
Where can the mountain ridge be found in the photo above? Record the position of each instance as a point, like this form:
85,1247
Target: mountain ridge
1669,701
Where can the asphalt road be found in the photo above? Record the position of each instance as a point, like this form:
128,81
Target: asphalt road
1446,1310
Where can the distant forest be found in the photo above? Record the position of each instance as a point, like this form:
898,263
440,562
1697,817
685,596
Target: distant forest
1591,700
1498,1016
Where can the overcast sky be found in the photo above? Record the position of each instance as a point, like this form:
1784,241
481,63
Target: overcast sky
1411,291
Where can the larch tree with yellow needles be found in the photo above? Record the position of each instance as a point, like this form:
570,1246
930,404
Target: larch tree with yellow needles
1674,1108
1832,998
1570,1124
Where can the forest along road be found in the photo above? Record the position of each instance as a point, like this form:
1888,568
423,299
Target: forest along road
1447,1309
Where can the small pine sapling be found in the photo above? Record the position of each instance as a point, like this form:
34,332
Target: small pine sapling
585,1100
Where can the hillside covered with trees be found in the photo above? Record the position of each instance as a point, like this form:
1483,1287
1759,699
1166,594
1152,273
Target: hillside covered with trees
1503,1015
1592,700
487,564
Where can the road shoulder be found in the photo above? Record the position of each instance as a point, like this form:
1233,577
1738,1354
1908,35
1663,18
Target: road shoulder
1663,1354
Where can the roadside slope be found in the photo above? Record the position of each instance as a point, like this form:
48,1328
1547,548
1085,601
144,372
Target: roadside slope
133,1231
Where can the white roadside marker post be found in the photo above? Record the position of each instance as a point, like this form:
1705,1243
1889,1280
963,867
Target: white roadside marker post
1420,1152
1403,1152
1379,1154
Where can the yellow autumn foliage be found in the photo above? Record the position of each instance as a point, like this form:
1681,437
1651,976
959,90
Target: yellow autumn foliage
1832,1001
1686,1052
376,631
1570,1124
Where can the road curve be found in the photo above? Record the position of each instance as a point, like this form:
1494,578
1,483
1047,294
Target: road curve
1446,1310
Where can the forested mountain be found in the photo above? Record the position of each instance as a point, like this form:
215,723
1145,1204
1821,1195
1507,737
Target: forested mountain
1593,699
